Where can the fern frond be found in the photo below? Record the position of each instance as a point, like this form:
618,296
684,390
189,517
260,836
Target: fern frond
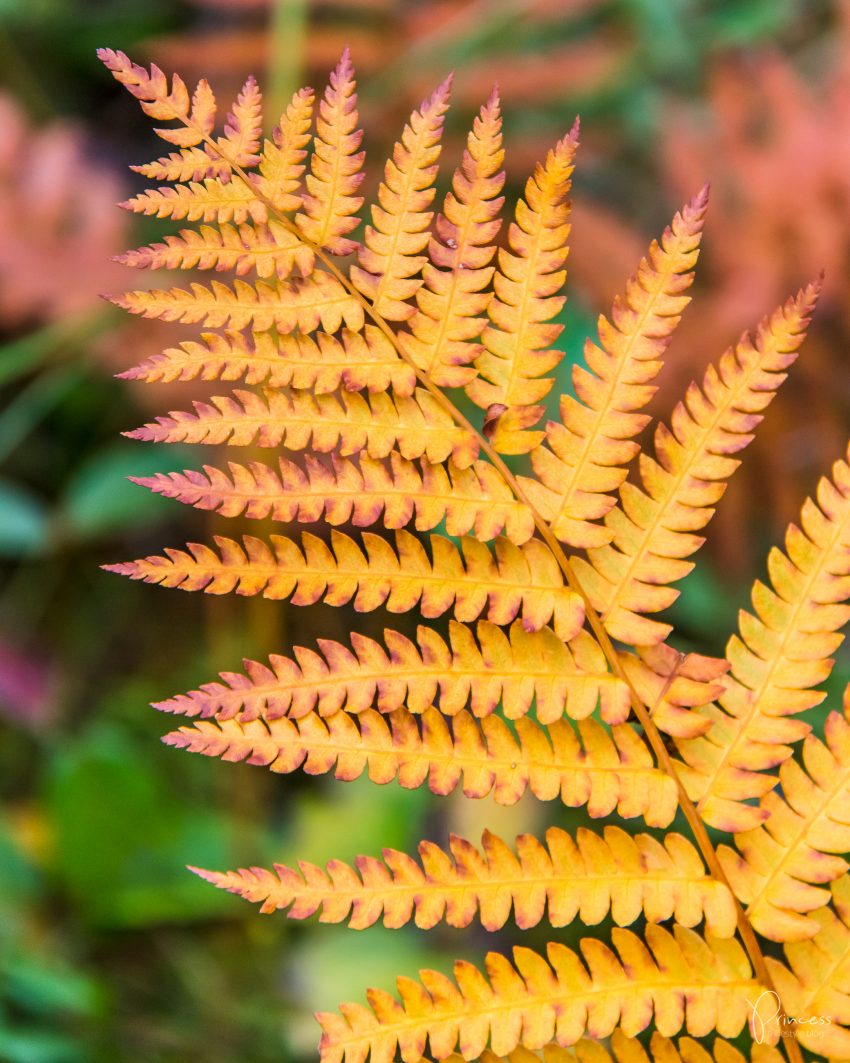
781,868
196,115
587,765
188,164
814,983
452,296
417,425
781,657
330,203
282,162
529,273
681,980
391,255
243,129
474,500
687,1050
355,360
515,579
516,669
280,166
589,449
564,879
654,526
305,303
673,684
211,200
630,1050
270,250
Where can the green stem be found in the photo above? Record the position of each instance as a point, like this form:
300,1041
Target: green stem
287,33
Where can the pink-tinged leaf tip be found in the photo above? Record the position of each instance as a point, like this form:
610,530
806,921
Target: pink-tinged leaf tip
439,96
122,568
214,877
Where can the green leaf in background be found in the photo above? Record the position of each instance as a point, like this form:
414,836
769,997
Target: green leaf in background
100,500
22,1045
23,521
123,834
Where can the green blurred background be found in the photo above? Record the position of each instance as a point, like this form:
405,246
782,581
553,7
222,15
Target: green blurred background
109,949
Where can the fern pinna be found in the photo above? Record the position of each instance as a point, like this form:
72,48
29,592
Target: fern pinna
554,673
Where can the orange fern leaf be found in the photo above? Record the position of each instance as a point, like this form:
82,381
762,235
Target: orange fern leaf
814,984
188,164
525,578
305,303
209,200
683,979
270,250
391,255
417,425
243,128
356,360
472,500
514,669
282,162
516,340
596,874
781,868
196,115
654,525
630,1050
594,441
330,203
605,770
673,684
452,296
782,655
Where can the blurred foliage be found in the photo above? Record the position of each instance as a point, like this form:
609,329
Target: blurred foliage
109,949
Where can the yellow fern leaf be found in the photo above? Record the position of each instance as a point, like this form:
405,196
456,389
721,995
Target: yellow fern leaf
211,199
673,684
814,983
330,203
355,360
514,669
525,578
270,250
282,162
625,875
305,303
391,255
243,129
605,770
653,528
196,115
188,164
780,658
417,425
591,446
528,276
682,980
780,868
474,500
630,1050
452,294
687,1050
280,165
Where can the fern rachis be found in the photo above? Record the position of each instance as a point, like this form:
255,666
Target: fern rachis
320,334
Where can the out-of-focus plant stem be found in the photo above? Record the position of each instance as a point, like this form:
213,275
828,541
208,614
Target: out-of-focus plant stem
287,29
